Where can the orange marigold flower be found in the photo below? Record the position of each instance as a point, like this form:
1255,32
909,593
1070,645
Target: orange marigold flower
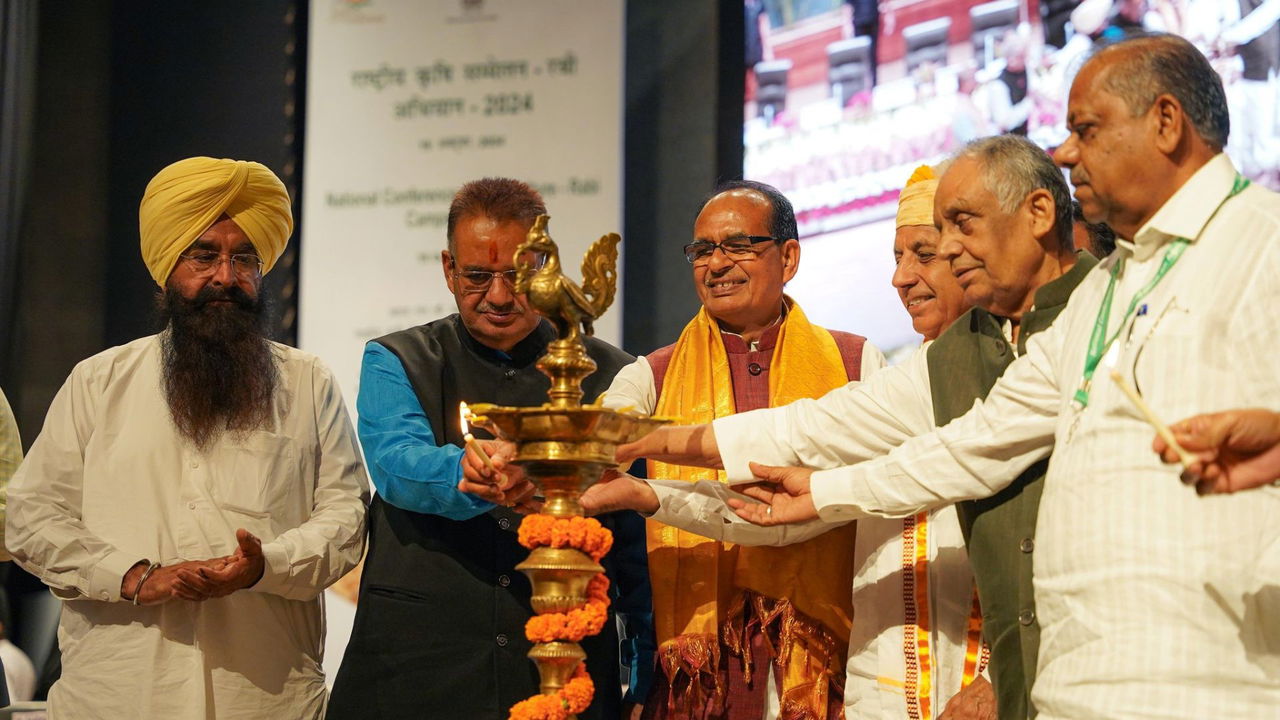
598,589
572,699
585,534
568,627
540,707
577,693
588,536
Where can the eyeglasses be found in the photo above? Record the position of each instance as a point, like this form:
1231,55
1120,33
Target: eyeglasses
207,262
478,281
739,247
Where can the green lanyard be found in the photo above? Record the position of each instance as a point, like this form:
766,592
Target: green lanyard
1098,340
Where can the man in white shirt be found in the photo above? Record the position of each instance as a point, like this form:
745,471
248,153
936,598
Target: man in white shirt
10,459
193,492
1155,601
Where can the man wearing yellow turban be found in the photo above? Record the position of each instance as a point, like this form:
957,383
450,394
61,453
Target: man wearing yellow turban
187,197
739,637
194,491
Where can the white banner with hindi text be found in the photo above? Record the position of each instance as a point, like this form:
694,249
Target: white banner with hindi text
409,99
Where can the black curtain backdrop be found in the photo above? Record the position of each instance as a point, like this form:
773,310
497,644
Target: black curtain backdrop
18,19
684,94
220,79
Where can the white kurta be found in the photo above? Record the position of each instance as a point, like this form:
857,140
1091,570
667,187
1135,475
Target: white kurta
877,675
110,482
1154,602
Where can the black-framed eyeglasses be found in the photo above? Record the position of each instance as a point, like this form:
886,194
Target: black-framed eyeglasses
738,247
206,262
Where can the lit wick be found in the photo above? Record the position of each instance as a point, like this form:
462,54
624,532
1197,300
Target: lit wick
464,413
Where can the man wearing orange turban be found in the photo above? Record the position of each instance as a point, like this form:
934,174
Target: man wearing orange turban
194,491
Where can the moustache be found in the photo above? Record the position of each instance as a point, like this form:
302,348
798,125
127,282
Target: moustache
1079,177
485,306
232,294
733,272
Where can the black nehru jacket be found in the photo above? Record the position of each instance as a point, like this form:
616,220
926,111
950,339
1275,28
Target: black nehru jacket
439,628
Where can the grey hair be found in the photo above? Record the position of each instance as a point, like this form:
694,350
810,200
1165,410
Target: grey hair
1013,168
1161,64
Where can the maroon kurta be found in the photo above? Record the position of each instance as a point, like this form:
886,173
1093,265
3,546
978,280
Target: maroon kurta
749,371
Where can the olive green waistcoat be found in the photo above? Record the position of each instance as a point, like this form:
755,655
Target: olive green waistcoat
964,363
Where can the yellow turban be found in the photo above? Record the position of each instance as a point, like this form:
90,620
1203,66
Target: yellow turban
184,199
915,203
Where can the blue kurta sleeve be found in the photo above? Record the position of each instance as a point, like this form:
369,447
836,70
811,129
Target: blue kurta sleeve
407,467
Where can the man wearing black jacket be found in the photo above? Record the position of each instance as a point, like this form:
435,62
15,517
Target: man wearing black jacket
439,628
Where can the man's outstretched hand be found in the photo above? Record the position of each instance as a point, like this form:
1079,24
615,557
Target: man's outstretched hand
977,701
1235,449
782,494
619,491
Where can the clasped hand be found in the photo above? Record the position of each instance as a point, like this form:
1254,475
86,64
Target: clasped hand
199,580
782,494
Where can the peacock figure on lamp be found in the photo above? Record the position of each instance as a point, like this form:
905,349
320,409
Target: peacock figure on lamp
564,447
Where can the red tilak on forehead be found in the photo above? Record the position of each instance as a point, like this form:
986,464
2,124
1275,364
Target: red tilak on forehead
493,252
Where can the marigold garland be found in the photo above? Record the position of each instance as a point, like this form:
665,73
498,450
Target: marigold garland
578,622
590,537
571,699
585,534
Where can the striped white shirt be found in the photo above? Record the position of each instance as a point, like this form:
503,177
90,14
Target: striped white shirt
1154,602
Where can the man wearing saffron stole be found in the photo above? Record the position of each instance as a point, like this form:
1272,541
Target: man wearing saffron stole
1005,216
745,632
917,639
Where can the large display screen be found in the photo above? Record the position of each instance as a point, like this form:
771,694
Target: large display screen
845,99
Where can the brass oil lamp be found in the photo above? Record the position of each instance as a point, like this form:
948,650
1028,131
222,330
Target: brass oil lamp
564,446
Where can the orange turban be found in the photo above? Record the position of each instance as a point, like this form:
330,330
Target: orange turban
184,199
915,203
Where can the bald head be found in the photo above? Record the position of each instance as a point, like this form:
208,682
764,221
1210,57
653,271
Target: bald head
782,217
1140,69
1145,114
